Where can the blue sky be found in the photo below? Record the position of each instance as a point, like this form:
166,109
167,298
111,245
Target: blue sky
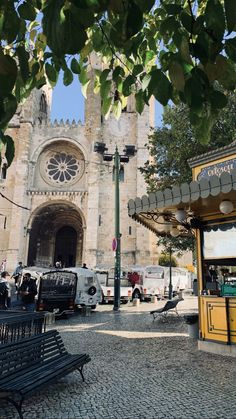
68,103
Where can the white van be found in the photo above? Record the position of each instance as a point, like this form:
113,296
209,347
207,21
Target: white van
180,278
63,290
107,282
88,289
147,281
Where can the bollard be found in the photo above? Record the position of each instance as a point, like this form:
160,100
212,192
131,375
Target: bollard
136,302
49,318
153,299
86,311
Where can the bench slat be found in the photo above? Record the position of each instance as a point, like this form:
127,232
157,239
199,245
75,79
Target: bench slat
26,382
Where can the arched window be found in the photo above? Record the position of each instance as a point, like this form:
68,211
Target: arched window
3,171
42,108
43,104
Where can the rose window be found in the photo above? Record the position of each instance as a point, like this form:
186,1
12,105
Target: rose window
62,167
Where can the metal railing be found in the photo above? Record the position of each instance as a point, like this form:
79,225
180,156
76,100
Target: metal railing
15,325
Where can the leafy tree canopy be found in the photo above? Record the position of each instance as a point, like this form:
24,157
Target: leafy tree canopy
170,148
182,51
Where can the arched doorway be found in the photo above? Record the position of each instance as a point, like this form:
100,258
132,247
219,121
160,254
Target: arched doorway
65,246
56,233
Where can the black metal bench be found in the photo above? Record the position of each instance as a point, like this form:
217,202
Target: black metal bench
170,305
33,363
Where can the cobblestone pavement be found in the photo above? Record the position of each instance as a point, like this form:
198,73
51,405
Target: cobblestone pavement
139,369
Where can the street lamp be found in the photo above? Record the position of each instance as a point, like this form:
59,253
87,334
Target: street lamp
129,151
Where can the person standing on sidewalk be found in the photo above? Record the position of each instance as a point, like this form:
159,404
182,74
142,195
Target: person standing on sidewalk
16,274
5,293
27,292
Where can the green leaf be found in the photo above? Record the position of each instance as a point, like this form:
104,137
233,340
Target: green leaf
83,77
104,75
105,88
160,87
127,85
51,74
172,9
187,21
230,13
214,18
137,69
10,149
118,71
139,102
134,21
11,24
230,48
146,81
218,100
169,26
8,73
8,109
176,74
106,106
23,57
145,5
68,37
67,77
27,11
117,109
75,67
84,88
149,55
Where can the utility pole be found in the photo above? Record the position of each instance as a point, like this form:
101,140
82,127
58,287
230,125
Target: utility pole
117,232
129,151
170,281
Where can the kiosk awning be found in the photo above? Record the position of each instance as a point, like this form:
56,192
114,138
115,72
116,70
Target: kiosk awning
197,198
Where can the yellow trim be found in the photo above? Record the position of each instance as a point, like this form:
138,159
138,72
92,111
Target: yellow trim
196,170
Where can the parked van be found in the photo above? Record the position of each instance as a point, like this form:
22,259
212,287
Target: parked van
181,279
88,290
63,290
147,281
107,281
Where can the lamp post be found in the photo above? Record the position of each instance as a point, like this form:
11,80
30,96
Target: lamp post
170,281
129,151
117,232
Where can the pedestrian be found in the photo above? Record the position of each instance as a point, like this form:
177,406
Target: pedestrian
17,273
27,292
84,266
5,293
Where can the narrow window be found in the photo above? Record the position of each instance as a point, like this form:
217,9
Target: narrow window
99,220
130,230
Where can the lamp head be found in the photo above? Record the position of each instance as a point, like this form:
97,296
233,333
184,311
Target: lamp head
226,207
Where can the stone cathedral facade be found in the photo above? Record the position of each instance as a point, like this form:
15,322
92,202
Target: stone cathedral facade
67,189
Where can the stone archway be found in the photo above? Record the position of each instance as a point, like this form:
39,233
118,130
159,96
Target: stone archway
56,234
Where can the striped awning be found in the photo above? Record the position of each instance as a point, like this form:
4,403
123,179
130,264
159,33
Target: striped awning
199,197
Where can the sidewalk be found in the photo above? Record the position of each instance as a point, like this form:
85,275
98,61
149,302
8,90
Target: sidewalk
140,369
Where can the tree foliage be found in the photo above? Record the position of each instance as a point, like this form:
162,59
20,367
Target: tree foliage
182,51
172,145
165,260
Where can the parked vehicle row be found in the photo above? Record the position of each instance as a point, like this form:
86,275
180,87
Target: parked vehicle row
64,290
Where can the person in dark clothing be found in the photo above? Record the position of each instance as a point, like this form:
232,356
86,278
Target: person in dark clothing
27,292
17,273
5,294
84,266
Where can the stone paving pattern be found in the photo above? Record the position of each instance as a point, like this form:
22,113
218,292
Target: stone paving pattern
139,369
